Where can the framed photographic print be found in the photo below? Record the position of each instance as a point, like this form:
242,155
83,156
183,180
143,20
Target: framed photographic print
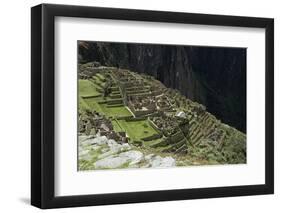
140,106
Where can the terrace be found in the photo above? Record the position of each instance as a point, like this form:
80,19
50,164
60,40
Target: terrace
144,110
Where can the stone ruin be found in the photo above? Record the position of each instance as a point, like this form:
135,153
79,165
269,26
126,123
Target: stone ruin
149,99
92,123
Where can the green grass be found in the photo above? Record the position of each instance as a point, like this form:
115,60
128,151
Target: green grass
116,111
89,98
87,88
83,106
98,81
116,126
100,76
153,142
104,109
93,104
137,129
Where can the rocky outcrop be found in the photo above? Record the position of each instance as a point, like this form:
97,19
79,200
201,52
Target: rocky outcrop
98,152
215,77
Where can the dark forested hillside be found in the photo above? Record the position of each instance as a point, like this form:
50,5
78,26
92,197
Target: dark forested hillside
215,77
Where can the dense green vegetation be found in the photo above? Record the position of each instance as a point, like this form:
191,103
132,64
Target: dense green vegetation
177,126
137,129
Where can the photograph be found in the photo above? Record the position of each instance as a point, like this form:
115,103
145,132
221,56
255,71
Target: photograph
133,105
144,105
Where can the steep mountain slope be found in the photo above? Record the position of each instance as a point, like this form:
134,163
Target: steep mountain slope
138,110
215,77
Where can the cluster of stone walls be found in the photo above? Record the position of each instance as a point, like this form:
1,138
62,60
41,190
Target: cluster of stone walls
179,134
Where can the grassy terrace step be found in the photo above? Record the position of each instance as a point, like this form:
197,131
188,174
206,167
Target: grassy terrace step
208,123
179,136
83,106
142,94
192,124
115,111
115,105
167,108
100,77
91,96
168,148
137,92
221,139
203,117
116,126
196,137
96,79
137,88
193,120
173,147
92,103
179,143
115,89
194,134
114,101
210,128
194,129
182,149
157,143
115,96
208,120
98,87
207,117
87,88
199,136
100,84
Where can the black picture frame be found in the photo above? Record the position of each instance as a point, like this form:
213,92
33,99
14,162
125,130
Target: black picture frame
43,102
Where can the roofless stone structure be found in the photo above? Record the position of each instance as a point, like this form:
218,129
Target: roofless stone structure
140,110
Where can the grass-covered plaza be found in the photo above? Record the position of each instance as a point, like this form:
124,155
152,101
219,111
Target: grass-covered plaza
91,99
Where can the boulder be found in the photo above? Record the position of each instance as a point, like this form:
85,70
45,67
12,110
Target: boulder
158,162
100,140
84,155
111,162
133,156
148,157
